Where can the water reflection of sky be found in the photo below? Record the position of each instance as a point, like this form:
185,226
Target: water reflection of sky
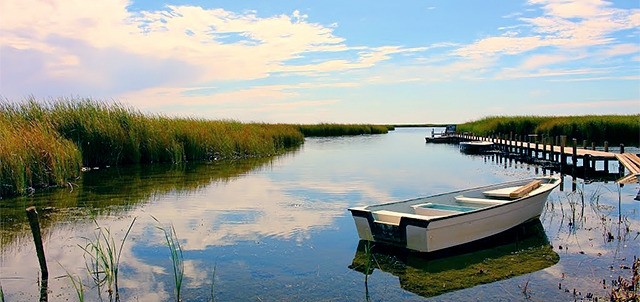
282,231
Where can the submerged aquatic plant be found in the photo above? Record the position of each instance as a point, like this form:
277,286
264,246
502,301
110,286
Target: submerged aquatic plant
77,284
213,283
628,289
368,267
177,258
104,259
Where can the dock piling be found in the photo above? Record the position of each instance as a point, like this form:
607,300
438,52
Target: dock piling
620,166
606,162
563,156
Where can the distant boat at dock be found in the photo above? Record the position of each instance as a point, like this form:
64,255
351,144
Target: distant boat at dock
444,137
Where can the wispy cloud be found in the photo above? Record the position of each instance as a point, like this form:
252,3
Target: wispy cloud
514,73
536,61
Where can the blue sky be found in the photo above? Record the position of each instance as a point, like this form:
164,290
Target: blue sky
431,61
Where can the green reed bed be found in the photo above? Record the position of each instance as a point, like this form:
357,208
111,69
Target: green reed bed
616,129
342,129
46,144
112,135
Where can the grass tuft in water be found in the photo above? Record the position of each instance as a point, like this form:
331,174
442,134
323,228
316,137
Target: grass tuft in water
213,284
177,258
367,268
104,260
77,284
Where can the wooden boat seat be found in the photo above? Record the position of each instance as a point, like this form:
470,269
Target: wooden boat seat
389,217
464,199
393,218
514,192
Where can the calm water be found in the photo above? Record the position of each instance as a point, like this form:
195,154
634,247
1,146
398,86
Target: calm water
278,229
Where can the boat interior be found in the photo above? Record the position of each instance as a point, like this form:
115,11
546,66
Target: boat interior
460,201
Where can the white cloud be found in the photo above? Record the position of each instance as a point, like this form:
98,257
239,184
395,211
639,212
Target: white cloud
536,61
621,49
213,44
501,45
572,23
515,73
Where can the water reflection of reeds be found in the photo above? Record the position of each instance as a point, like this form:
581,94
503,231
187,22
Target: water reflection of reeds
519,251
113,191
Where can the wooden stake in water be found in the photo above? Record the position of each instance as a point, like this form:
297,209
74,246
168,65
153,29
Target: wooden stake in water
32,214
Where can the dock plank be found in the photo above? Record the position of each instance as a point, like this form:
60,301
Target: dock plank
631,178
629,162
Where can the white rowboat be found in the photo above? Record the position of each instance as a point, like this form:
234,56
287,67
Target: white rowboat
441,221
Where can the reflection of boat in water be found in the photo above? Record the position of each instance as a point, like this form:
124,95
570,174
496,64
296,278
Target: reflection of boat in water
473,147
521,250
437,222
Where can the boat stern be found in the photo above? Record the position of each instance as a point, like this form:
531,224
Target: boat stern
361,218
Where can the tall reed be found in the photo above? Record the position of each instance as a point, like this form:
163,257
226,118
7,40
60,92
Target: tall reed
33,154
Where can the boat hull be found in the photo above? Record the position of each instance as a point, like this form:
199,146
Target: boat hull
431,233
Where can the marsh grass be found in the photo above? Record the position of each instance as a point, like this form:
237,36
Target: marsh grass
326,129
46,143
177,259
33,155
104,260
616,129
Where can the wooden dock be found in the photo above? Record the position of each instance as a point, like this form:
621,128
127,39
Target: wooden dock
567,158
